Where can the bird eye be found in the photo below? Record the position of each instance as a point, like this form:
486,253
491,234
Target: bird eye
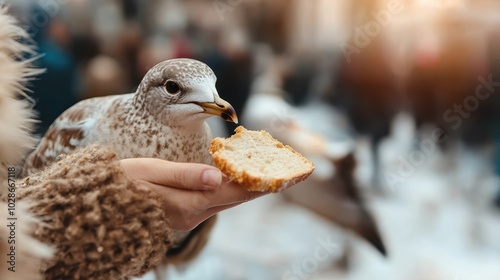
172,87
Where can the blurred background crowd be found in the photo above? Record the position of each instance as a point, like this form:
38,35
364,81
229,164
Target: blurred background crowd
408,87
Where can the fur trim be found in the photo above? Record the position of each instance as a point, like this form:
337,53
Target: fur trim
16,115
16,124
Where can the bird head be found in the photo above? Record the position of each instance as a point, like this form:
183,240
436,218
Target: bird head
183,90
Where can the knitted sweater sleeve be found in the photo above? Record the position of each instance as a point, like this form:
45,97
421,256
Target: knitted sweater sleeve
101,224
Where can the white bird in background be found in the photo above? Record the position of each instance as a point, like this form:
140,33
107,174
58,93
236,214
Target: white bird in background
331,190
266,108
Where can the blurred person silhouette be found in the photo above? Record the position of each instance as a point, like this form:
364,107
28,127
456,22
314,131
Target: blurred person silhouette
494,115
232,62
103,76
365,91
131,39
453,62
57,88
496,200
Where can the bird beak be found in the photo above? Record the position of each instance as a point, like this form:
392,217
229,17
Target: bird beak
221,108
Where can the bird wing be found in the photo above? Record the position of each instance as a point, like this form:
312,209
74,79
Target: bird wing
64,135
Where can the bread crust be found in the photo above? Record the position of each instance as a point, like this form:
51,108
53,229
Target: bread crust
249,181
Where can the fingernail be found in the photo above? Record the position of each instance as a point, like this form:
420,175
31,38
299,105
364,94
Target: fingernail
211,178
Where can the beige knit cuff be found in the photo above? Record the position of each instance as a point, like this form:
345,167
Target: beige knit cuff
102,225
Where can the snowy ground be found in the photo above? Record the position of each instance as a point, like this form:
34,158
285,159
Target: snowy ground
436,222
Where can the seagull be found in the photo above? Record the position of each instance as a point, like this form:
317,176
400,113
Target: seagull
164,118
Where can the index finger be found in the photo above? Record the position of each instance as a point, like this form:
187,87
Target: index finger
230,193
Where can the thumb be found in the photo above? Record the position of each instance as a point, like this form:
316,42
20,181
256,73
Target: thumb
190,176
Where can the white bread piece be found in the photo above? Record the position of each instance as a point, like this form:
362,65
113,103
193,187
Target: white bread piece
257,161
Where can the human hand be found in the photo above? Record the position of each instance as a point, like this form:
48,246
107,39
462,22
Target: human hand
192,192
